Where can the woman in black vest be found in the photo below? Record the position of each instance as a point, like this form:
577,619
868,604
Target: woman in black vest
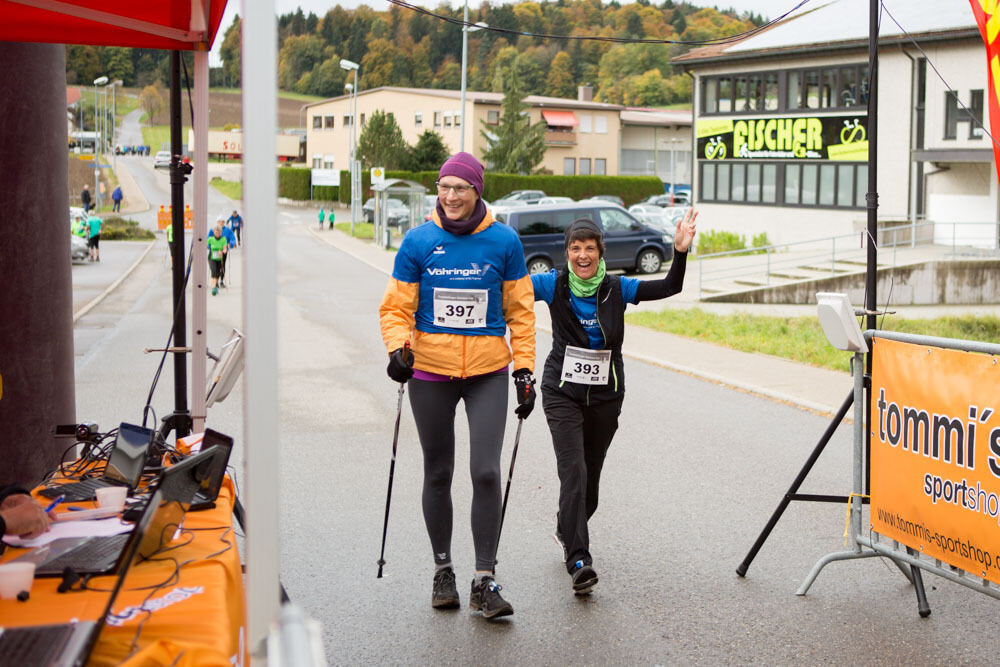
583,383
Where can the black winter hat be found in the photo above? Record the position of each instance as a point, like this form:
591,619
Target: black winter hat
580,224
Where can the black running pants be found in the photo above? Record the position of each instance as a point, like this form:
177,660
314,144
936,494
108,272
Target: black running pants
581,435
433,405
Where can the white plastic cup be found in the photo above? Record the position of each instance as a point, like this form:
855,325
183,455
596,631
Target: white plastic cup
14,578
112,497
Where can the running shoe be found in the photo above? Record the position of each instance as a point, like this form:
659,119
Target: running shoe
445,593
486,598
584,578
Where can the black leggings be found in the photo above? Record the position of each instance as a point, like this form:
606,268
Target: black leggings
581,436
433,405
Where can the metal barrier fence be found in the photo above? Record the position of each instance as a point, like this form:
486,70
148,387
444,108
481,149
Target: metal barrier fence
779,264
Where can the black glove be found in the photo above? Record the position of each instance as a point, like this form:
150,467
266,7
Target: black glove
524,387
400,367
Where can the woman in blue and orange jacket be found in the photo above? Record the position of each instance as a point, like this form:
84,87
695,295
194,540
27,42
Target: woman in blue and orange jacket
456,286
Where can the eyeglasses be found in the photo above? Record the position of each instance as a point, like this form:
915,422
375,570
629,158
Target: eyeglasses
460,190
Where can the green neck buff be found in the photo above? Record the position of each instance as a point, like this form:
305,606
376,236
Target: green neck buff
580,287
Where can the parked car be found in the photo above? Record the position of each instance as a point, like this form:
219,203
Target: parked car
679,198
430,203
614,199
397,213
516,198
161,160
521,197
630,244
555,200
664,219
650,214
78,251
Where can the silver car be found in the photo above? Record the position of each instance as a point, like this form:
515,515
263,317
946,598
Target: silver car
78,251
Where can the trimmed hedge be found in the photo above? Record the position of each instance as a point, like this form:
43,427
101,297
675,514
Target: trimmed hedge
345,185
293,183
115,228
632,189
326,192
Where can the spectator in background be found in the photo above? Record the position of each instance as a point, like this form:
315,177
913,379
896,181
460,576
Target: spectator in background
227,234
322,217
116,197
329,218
236,224
218,246
85,198
94,236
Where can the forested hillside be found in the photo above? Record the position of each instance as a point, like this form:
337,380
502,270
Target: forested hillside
404,47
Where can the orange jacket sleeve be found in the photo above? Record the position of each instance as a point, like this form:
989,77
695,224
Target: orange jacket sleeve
519,311
396,319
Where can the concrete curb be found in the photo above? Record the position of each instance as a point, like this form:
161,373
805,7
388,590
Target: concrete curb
111,288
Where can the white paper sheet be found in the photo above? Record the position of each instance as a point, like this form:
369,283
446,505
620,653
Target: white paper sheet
113,526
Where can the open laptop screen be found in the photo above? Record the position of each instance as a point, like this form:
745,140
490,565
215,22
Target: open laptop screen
129,454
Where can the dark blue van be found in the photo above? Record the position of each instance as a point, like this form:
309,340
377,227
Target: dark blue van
630,244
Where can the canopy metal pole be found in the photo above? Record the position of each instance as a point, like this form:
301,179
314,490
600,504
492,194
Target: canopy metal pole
260,377
199,272
180,420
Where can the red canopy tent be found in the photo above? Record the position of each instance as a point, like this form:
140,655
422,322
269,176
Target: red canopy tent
172,24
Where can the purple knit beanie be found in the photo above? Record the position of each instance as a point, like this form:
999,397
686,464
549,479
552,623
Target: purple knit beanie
465,166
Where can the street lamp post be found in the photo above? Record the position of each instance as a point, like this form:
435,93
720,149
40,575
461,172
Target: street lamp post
355,172
114,109
466,29
99,81
673,164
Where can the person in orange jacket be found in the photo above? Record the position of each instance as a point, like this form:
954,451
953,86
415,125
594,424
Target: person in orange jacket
456,287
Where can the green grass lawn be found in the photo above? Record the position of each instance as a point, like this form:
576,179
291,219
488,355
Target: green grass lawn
158,136
232,189
362,230
800,338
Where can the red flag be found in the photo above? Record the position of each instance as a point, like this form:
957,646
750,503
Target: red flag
988,21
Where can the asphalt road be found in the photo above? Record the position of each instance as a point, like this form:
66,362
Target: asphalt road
692,476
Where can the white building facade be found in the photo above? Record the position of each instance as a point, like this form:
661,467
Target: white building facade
582,137
781,124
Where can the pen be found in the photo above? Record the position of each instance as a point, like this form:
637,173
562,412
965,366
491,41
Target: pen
53,504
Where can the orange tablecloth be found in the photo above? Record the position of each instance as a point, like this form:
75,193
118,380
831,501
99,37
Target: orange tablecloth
195,615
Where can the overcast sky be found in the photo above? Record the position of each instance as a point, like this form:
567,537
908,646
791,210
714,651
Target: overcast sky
768,8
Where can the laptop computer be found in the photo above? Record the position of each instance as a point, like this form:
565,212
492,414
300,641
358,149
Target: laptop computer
205,498
210,474
70,644
124,467
106,554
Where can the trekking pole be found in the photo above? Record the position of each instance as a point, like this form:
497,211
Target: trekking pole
506,493
392,470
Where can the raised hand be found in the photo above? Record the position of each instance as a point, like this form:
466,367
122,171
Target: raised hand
684,234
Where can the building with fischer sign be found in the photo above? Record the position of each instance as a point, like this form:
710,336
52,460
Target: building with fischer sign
780,127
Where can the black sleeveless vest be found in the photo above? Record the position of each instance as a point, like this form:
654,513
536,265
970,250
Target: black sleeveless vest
567,330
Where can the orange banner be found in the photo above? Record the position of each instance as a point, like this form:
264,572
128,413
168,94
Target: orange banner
935,453
164,219
989,27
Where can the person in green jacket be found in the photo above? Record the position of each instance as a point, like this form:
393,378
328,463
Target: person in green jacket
330,219
322,216
218,246
94,236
